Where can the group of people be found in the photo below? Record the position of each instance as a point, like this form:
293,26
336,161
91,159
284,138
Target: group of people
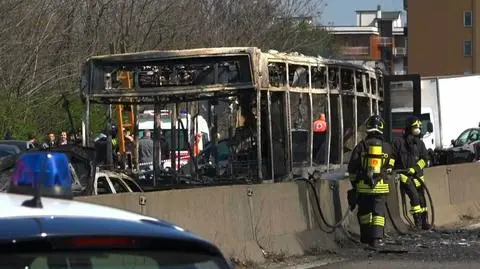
51,140
372,163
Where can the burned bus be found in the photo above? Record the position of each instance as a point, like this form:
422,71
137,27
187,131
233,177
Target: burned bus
259,106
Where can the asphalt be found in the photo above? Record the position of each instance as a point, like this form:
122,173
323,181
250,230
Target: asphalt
388,264
433,249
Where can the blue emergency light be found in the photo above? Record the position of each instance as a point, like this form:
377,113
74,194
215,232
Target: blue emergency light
42,173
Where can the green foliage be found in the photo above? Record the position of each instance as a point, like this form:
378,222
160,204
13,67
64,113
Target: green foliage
44,44
41,115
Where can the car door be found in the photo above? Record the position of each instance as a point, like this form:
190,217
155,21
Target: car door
460,151
473,144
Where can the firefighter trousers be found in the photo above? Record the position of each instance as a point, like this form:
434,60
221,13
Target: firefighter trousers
416,195
371,216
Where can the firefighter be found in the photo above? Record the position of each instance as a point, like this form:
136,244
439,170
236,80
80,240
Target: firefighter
371,161
413,156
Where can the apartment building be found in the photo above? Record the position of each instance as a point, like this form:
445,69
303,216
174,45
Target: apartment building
444,37
377,38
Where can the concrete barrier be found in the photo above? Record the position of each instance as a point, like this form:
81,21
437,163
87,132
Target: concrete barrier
454,190
247,221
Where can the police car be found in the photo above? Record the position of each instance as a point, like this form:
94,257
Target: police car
40,230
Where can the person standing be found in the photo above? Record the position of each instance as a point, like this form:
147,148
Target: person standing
51,141
413,157
63,139
371,160
145,148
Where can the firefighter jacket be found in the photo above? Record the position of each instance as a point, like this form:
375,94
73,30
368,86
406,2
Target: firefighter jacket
361,180
411,155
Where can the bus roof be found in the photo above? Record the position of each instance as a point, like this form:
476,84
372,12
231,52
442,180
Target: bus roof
160,54
198,52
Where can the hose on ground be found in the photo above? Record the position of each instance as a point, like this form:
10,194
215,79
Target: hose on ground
333,226
322,216
395,226
430,200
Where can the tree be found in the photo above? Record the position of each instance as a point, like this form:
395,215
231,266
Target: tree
45,43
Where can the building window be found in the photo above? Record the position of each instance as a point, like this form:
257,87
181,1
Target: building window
467,19
467,48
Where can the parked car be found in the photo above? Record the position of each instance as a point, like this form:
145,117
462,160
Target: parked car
466,148
23,145
109,182
7,150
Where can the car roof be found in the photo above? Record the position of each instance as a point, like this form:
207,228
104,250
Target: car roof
20,143
8,146
15,141
11,207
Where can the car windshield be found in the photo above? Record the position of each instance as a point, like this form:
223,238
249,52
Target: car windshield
132,185
110,259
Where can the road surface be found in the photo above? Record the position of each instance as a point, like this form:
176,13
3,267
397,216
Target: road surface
403,264
434,249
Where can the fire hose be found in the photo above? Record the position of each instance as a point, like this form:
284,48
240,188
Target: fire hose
333,226
339,224
404,202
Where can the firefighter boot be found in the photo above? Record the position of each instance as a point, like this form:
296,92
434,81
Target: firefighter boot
425,224
377,243
417,220
365,233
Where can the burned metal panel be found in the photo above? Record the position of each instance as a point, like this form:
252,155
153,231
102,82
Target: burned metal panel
279,139
258,114
164,75
349,126
299,114
267,136
301,128
288,120
329,121
310,117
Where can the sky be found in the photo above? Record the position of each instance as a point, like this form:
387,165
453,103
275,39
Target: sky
342,12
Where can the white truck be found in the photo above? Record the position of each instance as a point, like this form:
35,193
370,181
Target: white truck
448,103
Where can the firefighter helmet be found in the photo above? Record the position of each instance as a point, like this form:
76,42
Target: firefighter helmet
375,123
413,125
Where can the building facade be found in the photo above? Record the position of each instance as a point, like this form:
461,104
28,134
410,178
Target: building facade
369,42
444,37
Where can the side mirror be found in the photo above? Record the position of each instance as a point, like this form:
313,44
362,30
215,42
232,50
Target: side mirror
430,127
453,142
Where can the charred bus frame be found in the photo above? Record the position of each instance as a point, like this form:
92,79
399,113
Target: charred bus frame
267,75
345,81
